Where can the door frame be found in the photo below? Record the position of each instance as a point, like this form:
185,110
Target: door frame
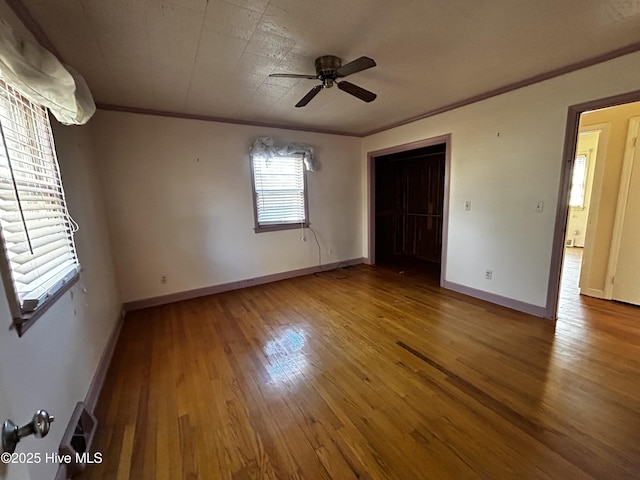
603,130
562,209
371,198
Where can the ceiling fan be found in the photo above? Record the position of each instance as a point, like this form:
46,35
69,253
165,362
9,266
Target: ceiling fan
328,69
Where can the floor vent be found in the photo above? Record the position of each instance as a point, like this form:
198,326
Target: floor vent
77,439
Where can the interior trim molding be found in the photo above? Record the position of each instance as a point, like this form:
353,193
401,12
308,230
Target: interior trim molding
589,62
371,197
208,118
36,30
91,399
595,293
562,211
632,48
95,388
511,303
226,287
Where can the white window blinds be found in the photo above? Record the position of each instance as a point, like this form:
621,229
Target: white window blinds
578,182
279,185
37,231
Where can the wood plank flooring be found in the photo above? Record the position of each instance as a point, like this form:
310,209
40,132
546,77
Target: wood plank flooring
379,375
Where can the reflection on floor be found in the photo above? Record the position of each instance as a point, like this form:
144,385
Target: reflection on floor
380,375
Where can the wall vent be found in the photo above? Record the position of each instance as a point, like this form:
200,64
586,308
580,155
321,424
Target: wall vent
77,439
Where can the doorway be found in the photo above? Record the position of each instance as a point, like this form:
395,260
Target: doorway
408,206
580,203
612,118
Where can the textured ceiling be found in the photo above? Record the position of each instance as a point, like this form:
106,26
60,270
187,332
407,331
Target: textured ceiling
213,57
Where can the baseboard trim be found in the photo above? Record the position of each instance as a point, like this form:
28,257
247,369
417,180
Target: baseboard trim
226,287
524,307
95,388
593,292
91,399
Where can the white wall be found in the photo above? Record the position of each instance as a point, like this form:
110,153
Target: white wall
180,203
506,154
51,366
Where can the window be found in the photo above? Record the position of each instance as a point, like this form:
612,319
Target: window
578,182
279,193
39,260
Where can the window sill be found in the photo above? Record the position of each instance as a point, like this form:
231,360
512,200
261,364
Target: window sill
279,227
27,319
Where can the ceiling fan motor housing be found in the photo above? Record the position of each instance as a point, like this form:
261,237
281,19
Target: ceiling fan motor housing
327,65
328,69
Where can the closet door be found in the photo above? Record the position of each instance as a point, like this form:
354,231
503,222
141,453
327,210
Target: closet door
390,205
425,195
409,207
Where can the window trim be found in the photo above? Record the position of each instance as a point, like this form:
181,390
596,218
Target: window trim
279,226
25,312
25,320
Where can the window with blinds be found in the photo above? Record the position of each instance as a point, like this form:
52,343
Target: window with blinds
37,232
578,182
280,197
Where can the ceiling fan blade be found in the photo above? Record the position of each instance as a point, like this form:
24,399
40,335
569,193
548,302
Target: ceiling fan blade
307,98
357,65
293,75
356,91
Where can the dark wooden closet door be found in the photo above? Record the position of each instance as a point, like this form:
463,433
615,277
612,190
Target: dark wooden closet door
409,203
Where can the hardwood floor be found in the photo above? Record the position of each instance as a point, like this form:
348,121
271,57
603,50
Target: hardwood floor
377,376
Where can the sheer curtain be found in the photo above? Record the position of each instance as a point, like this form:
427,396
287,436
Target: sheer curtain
264,147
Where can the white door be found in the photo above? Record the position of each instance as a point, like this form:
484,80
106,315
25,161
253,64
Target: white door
626,280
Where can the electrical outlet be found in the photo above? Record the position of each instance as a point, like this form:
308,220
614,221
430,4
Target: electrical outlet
163,279
539,206
488,274
467,205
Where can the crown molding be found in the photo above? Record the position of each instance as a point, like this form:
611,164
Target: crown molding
30,23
